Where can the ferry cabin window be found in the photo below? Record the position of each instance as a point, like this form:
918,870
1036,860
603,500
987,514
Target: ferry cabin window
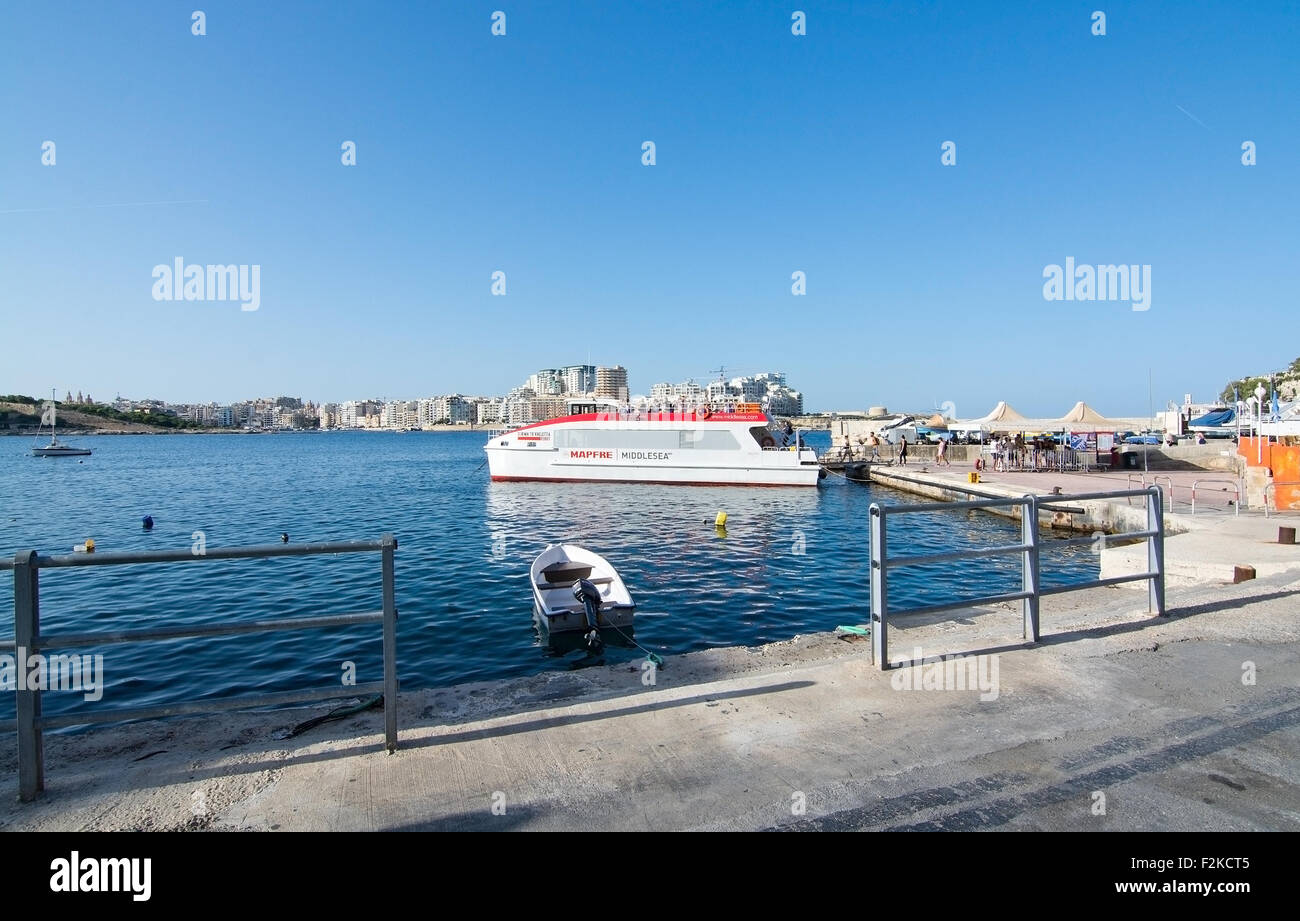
613,439
708,440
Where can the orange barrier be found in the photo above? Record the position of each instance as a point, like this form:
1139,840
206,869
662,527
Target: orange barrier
1283,461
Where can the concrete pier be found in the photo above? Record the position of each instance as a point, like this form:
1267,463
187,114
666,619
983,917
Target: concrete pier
1115,721
1208,547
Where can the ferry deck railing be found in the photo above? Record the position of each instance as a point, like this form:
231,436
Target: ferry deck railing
30,723
1031,590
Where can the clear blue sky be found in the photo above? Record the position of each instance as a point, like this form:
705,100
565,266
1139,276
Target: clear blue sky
775,153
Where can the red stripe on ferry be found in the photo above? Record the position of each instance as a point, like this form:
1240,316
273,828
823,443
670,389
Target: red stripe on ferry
646,417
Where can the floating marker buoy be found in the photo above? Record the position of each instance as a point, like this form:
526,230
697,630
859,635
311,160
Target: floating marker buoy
284,537
148,522
87,547
721,520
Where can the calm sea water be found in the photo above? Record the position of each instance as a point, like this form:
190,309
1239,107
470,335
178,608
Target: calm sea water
792,561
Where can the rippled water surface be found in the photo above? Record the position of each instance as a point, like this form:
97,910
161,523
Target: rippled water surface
792,561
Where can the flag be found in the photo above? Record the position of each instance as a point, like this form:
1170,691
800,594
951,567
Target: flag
47,418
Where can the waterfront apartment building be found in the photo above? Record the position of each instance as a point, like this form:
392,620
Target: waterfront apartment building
687,393
353,413
488,412
769,388
400,414
453,409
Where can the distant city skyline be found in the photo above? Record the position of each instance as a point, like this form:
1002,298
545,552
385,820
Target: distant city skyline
907,205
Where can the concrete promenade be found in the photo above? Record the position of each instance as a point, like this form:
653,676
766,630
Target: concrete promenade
1191,722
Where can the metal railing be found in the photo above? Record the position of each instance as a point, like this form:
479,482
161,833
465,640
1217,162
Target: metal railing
30,723
1155,481
1169,496
1031,590
1236,488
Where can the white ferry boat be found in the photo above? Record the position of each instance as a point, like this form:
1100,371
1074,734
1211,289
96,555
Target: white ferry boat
596,443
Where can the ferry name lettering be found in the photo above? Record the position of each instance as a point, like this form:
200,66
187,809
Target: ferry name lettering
645,455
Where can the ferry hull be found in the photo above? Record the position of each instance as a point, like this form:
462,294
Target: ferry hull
691,477
678,449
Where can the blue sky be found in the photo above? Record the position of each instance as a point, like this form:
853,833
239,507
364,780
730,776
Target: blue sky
775,153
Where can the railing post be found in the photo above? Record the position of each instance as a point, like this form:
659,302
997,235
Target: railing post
879,588
390,645
1156,551
27,632
1029,568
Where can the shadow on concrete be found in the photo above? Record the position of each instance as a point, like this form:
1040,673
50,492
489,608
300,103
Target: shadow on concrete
1082,633
179,775
551,722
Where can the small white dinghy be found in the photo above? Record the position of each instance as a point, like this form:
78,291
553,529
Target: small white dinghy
557,574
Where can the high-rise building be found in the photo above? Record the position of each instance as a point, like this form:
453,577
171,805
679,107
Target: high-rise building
546,382
612,383
579,378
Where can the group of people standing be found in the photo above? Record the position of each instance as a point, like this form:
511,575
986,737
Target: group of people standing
1017,453
874,443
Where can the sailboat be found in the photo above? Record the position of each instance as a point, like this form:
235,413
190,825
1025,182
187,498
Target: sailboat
55,448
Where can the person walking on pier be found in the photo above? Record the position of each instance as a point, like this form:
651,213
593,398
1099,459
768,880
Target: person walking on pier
875,447
902,450
942,457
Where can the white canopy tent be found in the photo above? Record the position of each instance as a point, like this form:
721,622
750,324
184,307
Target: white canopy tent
1002,418
1083,418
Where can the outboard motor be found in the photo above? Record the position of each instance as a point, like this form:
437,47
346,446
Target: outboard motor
589,595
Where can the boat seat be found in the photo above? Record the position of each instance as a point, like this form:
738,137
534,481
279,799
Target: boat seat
566,571
604,609
599,580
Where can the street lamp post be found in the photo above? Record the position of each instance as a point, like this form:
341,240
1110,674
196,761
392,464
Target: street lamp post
1259,418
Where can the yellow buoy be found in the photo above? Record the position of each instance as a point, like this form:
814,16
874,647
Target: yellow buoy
721,520
90,545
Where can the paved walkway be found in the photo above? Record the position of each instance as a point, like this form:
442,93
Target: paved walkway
1116,721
